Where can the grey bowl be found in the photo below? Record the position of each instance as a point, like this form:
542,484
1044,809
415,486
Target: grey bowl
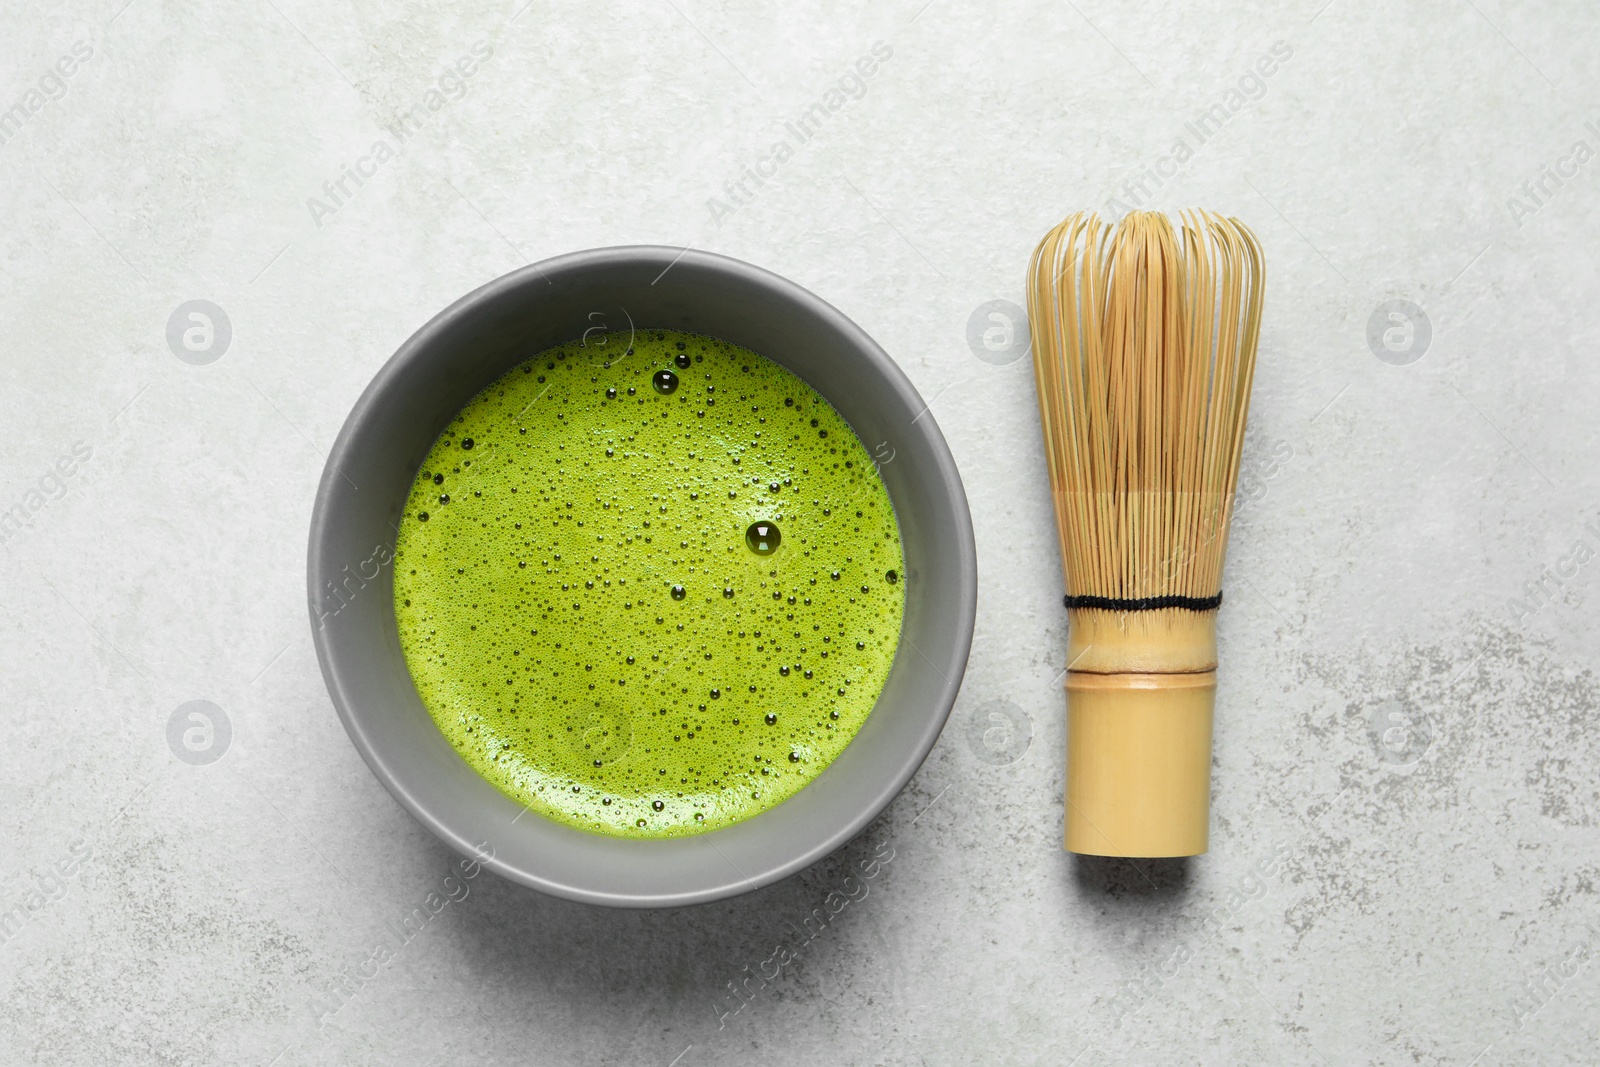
473,342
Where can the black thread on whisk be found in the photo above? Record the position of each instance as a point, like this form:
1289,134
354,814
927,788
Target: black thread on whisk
1147,603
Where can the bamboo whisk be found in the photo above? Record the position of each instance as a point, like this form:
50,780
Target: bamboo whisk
1144,346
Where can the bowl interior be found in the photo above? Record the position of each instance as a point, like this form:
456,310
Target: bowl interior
606,293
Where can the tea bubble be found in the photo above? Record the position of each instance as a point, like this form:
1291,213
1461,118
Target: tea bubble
664,381
679,592
763,538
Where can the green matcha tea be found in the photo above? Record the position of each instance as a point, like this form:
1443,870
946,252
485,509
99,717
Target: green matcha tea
649,588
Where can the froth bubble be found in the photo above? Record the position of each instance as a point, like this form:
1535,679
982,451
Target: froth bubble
763,538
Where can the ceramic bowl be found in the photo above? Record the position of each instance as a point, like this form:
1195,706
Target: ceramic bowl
474,341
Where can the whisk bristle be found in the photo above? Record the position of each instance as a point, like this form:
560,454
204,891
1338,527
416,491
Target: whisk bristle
1144,346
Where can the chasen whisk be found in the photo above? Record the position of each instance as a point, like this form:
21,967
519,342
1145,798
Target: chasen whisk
1144,345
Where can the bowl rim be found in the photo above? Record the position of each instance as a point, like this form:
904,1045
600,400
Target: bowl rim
963,583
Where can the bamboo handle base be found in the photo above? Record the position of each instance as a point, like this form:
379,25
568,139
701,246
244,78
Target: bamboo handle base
1139,763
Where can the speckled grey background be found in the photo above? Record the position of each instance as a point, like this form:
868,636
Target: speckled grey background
1405,853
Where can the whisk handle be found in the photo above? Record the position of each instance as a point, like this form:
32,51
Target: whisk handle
1139,763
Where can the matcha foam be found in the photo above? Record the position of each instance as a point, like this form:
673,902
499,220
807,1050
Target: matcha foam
649,589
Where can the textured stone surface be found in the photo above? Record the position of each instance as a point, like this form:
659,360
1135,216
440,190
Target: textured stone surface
1406,840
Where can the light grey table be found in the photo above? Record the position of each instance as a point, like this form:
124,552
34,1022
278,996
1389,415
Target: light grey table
1405,857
